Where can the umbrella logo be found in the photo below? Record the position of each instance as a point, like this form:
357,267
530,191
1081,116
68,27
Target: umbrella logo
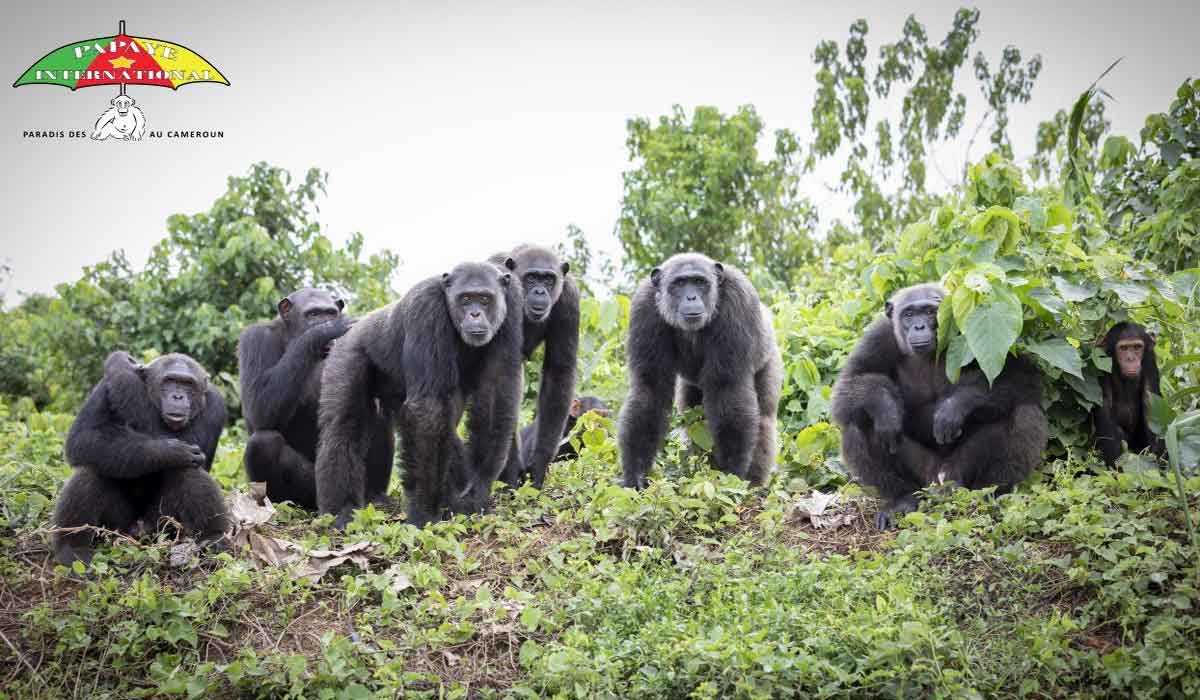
121,60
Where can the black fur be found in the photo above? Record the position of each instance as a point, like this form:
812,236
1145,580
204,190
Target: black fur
550,316
280,363
426,357
905,426
1122,416
697,330
141,446
580,406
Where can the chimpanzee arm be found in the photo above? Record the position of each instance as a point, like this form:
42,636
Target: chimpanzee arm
272,376
101,439
973,401
1109,435
210,424
492,421
652,372
865,388
558,383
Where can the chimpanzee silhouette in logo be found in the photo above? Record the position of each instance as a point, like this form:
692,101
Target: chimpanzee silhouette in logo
122,121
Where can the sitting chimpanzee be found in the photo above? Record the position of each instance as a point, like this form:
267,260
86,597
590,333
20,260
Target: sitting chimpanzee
141,446
1122,416
698,330
551,318
906,426
451,340
580,406
280,363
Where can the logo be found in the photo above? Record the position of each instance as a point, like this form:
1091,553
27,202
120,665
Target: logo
121,60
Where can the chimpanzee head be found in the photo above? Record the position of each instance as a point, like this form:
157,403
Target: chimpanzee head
913,311
178,386
541,274
122,103
583,404
687,290
305,308
475,299
1132,347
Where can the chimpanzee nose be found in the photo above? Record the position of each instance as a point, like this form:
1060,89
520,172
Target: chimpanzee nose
539,292
475,314
692,297
177,397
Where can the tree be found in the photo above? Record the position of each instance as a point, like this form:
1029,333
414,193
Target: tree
933,109
699,185
214,273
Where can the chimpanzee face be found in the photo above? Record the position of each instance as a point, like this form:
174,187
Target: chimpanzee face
541,274
583,404
1129,356
122,103
178,387
308,307
475,300
913,312
687,290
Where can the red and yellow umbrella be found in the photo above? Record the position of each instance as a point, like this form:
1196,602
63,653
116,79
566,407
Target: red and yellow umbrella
121,60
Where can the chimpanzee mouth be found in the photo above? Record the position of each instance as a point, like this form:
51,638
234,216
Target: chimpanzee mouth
175,421
924,346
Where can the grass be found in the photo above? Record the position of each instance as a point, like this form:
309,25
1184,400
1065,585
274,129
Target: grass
1079,585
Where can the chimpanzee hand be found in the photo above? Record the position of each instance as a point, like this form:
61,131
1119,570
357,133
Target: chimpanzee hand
320,336
947,422
183,455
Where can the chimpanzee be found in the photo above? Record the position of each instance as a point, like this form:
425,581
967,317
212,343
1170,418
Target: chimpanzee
906,426
141,446
698,329
280,363
450,340
550,316
580,406
1122,416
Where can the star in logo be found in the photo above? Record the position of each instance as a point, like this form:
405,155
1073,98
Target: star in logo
122,62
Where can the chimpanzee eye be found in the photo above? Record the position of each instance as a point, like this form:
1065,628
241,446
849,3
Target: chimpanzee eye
485,300
908,313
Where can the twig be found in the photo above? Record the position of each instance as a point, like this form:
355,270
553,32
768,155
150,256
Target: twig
21,657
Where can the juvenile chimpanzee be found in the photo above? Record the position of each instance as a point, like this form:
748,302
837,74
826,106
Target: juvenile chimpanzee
1122,416
580,406
550,316
280,363
451,340
905,425
141,446
697,328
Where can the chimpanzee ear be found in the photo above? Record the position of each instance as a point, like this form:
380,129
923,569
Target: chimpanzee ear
284,306
720,270
510,263
655,276
141,370
446,279
888,307
566,267
575,408
506,279
341,303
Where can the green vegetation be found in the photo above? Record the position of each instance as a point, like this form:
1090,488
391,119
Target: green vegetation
1083,583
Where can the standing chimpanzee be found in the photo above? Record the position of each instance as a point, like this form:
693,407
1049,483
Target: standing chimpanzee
551,316
1122,416
905,425
697,328
580,406
141,446
450,340
280,363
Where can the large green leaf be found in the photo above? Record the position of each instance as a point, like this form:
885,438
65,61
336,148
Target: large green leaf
1074,292
1059,353
991,329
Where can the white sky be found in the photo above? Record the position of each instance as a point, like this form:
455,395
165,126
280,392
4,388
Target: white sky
451,130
